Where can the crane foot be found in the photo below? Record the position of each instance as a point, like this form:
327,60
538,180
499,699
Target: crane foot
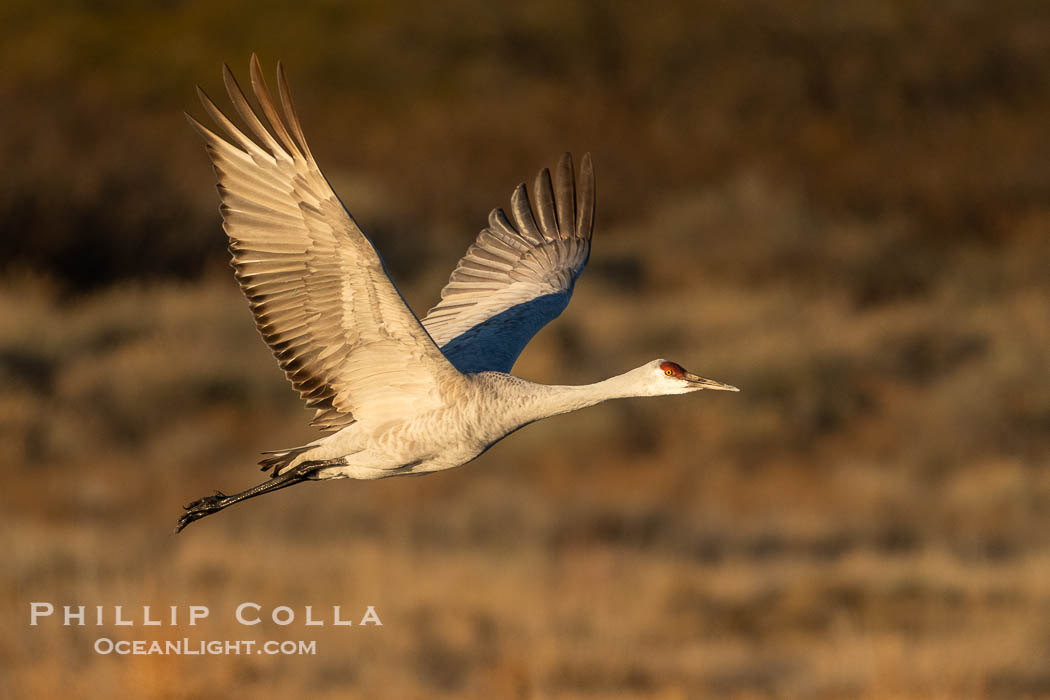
203,507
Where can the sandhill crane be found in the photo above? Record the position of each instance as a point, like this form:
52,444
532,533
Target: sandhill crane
397,396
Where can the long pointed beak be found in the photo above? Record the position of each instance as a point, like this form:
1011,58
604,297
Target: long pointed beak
705,383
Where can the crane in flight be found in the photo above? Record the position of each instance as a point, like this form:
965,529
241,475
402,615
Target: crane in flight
397,395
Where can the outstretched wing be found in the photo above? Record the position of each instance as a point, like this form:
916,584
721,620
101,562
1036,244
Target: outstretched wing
519,274
318,289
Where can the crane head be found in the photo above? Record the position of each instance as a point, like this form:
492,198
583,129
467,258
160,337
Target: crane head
674,379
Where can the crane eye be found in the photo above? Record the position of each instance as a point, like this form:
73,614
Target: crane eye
669,373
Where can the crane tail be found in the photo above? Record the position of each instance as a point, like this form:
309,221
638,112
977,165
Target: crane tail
280,460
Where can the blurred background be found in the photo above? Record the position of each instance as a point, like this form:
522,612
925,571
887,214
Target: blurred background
842,208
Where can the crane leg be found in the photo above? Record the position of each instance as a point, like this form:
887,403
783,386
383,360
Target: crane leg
213,504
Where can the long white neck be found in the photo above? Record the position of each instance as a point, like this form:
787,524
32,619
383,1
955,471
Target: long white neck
544,401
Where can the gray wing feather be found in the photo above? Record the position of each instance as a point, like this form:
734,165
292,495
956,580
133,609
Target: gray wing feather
317,287
519,273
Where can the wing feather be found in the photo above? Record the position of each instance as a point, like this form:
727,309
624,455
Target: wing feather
317,287
519,273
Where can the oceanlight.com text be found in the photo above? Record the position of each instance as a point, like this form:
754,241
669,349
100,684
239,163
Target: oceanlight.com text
214,647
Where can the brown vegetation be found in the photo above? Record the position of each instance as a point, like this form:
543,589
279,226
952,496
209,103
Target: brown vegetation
843,211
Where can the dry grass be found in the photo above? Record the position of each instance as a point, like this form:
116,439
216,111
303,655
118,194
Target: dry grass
844,212
864,520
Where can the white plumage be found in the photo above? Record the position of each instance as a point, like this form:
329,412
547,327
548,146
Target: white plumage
398,396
